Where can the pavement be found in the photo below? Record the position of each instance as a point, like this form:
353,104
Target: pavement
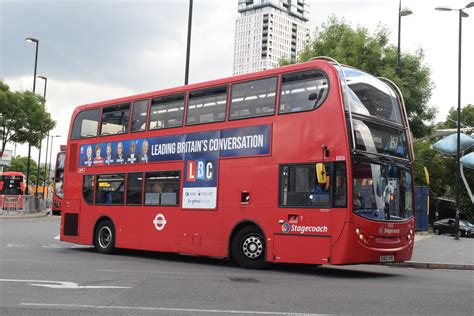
17,215
441,252
430,252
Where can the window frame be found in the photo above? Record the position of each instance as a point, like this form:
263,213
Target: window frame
178,193
132,112
150,105
301,71
98,124
277,99
215,87
141,188
124,175
330,203
129,103
93,188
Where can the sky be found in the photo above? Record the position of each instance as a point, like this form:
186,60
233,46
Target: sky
97,50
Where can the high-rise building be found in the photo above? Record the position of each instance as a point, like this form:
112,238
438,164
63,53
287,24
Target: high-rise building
268,30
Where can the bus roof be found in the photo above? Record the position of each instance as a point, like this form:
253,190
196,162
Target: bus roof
202,85
11,173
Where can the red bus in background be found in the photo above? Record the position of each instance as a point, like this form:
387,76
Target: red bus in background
58,189
309,163
12,188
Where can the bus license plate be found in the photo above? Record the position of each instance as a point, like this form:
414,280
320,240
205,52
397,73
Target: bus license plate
390,258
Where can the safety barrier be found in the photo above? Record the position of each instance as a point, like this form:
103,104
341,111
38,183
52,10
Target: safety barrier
21,204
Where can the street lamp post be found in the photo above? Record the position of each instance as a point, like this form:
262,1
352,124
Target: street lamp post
401,12
47,140
39,151
51,153
462,14
188,48
31,40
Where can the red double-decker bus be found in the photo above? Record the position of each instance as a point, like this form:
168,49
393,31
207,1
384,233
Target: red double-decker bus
58,189
12,189
308,163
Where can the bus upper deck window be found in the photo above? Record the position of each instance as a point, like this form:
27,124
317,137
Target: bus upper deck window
140,111
85,124
303,91
253,98
115,119
206,106
166,112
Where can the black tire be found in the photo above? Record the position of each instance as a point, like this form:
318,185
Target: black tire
104,237
248,248
56,213
436,231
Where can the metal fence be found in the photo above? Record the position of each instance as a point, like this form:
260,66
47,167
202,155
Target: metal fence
18,204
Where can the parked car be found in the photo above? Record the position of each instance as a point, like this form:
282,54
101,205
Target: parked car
448,226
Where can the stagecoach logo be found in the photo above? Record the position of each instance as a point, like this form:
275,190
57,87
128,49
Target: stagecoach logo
386,230
159,222
286,228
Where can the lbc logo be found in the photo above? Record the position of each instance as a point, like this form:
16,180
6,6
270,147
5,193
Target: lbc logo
199,170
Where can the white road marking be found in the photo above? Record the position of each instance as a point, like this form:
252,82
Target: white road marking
166,309
63,284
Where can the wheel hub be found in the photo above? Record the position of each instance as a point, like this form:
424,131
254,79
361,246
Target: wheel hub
105,237
252,247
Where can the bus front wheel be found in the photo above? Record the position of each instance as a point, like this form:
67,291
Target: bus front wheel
248,248
104,237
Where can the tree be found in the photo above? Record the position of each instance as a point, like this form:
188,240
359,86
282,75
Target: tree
436,165
373,54
23,118
19,164
467,117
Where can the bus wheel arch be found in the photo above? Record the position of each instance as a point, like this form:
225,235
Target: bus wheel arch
247,245
104,235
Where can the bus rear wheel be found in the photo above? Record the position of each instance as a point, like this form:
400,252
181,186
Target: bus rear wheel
104,237
248,248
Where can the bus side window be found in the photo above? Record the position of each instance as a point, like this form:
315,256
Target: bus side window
134,188
162,188
139,115
88,189
115,119
207,106
340,185
302,91
85,124
253,98
110,189
299,186
167,112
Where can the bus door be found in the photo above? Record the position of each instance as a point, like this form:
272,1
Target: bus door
302,221
200,225
160,213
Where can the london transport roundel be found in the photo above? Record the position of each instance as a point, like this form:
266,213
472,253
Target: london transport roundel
159,222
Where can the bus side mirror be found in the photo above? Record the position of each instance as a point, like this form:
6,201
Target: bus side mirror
321,172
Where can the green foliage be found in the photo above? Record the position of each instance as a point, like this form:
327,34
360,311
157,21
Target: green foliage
467,117
436,165
442,171
19,164
373,53
23,118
